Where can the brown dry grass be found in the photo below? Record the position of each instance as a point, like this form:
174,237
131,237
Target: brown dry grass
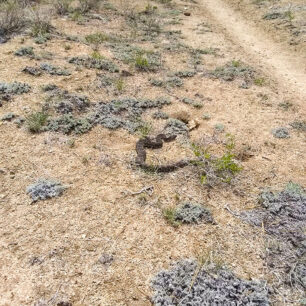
96,214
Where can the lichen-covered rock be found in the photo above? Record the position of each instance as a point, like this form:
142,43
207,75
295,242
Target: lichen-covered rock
281,132
193,213
187,283
44,189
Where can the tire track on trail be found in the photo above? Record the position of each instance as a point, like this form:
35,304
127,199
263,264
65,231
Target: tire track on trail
287,68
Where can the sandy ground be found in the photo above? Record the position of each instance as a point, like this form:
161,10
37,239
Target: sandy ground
50,250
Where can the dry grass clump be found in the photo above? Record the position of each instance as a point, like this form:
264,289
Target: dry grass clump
12,17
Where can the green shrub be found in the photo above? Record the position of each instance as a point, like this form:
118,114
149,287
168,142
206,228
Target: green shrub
36,121
96,39
141,62
170,216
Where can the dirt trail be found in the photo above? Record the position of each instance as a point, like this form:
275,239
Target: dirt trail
286,68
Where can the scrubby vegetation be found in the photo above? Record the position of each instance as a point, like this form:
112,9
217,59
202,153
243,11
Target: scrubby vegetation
191,283
45,189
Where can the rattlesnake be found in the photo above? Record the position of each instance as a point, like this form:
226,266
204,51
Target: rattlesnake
156,143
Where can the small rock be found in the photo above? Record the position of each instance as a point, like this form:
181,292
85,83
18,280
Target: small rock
126,73
106,259
187,13
193,124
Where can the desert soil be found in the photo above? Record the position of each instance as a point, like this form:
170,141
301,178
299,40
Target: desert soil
50,250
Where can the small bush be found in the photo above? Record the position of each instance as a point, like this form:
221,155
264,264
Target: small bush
96,39
281,132
87,5
36,121
12,17
141,62
53,70
25,51
40,28
192,213
45,189
213,170
169,215
62,7
67,124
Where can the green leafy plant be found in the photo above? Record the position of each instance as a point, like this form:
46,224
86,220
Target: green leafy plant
96,38
36,121
141,62
120,84
170,216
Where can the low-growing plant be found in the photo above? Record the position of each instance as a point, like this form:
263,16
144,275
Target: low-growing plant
211,169
96,55
44,189
169,215
120,84
36,121
259,81
96,39
144,129
141,62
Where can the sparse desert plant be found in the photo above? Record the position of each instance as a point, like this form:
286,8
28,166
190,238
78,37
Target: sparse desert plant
96,55
44,189
299,125
189,282
141,62
169,215
62,7
281,132
144,129
87,5
25,51
214,170
259,82
96,39
119,84
12,17
40,25
36,121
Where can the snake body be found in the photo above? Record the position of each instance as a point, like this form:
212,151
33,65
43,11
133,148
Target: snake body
156,143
